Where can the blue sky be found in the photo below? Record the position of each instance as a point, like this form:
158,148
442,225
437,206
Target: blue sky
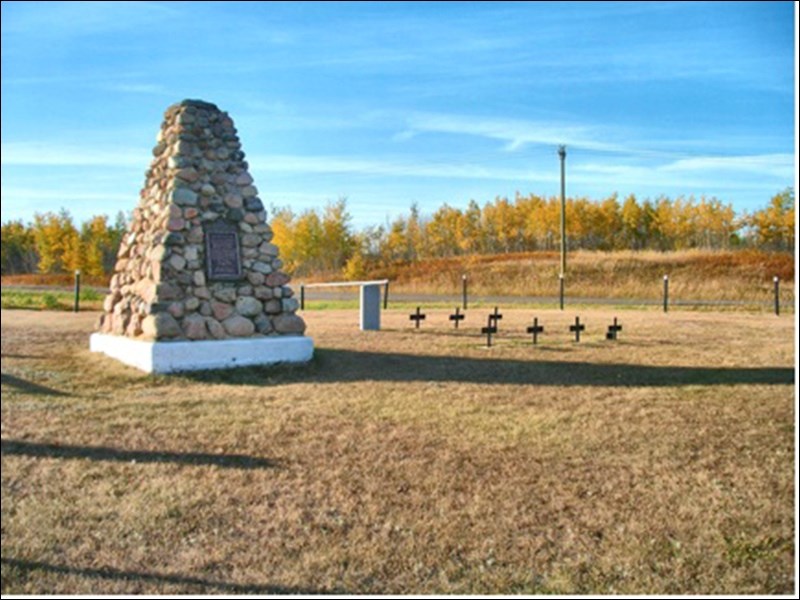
389,104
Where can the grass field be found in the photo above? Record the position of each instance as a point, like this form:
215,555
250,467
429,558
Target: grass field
740,276
408,461
51,299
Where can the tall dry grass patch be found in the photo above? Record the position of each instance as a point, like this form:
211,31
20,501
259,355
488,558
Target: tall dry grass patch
694,275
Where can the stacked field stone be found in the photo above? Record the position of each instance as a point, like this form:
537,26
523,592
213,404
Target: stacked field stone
164,287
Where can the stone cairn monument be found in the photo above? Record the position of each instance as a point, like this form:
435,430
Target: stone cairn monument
198,282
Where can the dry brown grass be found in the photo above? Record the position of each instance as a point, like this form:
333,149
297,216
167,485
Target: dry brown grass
407,461
694,275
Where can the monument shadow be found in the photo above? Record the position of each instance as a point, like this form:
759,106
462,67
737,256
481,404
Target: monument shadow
139,577
10,447
29,387
337,366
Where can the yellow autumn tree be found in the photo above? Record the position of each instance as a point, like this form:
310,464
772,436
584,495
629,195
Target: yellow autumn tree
773,226
99,246
57,242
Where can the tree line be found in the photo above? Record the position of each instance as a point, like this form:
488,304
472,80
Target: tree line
53,243
325,241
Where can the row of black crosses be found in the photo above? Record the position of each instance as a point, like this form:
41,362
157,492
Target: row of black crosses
534,330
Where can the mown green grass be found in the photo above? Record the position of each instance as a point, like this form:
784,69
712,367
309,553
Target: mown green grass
89,299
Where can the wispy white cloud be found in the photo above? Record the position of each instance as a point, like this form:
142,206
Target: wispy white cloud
514,133
82,201
72,155
774,165
22,194
138,88
69,19
666,156
127,83
35,80
390,168
751,172
262,116
41,154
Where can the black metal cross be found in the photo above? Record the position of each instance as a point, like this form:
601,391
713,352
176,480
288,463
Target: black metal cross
488,331
535,329
457,317
495,316
577,328
613,330
417,316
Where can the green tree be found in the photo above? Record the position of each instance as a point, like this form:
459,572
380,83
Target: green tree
17,249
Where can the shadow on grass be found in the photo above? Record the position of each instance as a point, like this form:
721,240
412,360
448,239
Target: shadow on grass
27,566
29,387
99,453
342,366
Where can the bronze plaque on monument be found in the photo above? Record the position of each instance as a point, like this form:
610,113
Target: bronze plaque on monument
223,260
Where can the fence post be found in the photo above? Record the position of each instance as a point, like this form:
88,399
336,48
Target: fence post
77,306
777,281
386,295
561,291
464,290
666,293
302,297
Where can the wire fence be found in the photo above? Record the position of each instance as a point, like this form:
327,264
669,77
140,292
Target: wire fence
780,298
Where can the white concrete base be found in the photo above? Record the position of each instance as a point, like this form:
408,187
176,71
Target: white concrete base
171,357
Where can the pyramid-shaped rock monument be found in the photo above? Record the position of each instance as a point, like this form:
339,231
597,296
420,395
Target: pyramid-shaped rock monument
198,282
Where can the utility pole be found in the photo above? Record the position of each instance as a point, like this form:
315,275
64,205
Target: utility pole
562,154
